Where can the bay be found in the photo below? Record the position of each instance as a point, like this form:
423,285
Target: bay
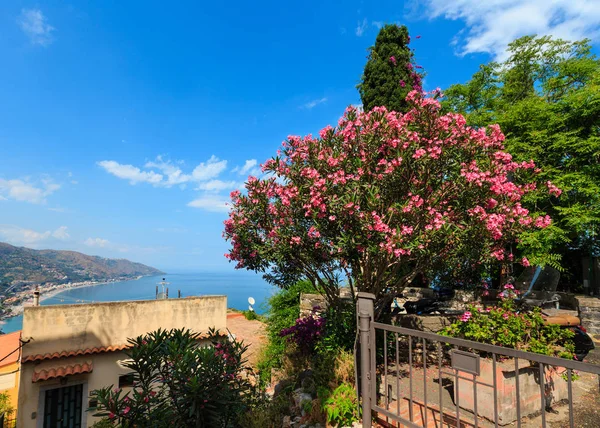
238,286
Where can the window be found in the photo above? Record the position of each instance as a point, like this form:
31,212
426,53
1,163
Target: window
126,380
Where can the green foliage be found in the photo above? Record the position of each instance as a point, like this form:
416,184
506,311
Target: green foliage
341,406
389,63
251,315
546,99
340,328
178,382
502,326
283,311
5,406
267,414
103,423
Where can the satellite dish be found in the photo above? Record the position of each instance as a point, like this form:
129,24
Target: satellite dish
251,300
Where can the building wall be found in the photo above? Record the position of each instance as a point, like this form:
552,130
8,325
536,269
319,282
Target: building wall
106,372
70,327
10,356
9,382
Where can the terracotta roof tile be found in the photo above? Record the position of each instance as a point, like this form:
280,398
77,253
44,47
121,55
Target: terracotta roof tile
75,353
86,351
61,371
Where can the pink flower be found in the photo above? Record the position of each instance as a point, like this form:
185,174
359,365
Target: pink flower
419,153
332,218
295,240
393,60
543,221
126,410
509,287
525,262
402,83
111,415
505,316
553,189
466,316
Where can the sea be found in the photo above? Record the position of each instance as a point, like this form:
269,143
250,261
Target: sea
238,286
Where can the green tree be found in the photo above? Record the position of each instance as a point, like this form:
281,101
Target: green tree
546,99
179,382
389,74
380,199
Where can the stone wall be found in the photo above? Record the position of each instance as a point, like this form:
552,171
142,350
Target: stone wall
589,312
308,302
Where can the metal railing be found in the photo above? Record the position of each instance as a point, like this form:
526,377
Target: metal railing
422,377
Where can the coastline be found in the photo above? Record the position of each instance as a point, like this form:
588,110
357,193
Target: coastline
17,309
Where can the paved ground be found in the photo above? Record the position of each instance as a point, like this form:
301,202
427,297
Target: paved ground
252,333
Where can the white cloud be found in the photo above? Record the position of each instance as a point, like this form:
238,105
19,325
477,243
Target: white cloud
377,24
130,172
250,167
21,236
211,169
492,24
61,233
361,27
170,170
218,185
25,191
210,203
169,174
34,25
96,242
311,104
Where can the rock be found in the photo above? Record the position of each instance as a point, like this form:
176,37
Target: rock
280,386
287,423
301,397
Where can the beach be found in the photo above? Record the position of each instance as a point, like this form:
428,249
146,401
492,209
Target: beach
49,293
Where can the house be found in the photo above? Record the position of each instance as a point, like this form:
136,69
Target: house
10,358
75,349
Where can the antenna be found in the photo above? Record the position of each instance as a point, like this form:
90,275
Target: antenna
251,302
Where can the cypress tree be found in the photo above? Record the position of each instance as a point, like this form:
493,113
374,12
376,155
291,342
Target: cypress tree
389,74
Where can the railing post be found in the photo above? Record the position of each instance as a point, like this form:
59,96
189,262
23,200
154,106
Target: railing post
365,317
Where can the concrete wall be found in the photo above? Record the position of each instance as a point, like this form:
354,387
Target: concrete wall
70,327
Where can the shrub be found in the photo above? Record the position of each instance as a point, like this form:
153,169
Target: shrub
283,311
5,406
504,326
305,333
179,383
341,406
251,315
340,328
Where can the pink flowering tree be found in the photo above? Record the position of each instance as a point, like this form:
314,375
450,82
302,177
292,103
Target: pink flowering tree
381,198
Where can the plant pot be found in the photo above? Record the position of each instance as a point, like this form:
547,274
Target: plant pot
530,397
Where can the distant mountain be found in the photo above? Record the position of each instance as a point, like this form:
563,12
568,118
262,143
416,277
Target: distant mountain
19,265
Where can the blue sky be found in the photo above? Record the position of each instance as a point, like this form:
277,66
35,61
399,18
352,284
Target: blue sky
125,125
